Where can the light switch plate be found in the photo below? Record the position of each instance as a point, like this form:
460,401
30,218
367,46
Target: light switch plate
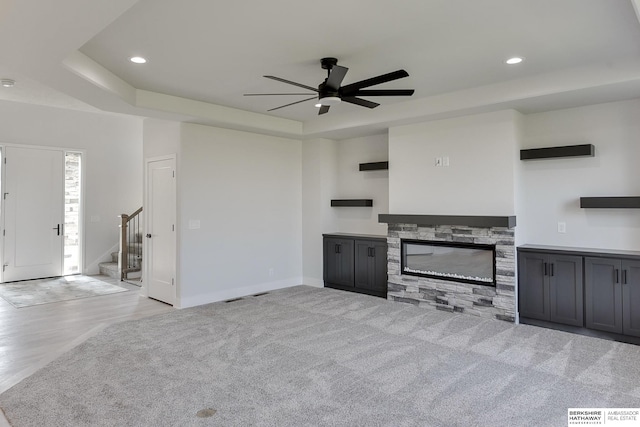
562,227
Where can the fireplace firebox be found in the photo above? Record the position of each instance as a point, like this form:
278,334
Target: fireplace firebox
453,261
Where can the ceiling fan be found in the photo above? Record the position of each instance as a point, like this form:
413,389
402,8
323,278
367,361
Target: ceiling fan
329,92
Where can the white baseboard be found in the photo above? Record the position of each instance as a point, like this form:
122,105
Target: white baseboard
226,294
312,281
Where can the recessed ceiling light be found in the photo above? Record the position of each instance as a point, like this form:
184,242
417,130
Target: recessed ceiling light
137,59
8,82
514,60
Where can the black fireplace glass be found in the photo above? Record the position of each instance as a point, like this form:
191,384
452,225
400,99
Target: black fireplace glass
453,261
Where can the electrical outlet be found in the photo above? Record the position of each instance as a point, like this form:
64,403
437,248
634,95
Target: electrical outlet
445,161
271,272
562,227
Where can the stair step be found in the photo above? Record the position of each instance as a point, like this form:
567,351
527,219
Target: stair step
109,269
133,258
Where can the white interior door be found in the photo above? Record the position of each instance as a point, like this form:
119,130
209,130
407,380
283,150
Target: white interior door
160,208
33,213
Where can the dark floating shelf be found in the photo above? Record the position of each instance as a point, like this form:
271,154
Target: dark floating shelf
584,150
352,202
374,166
471,221
610,202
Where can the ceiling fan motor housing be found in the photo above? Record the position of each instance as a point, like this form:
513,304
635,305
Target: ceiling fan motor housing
328,63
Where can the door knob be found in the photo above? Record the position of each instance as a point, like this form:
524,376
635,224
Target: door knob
148,235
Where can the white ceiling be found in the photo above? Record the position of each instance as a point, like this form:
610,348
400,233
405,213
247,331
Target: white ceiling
204,55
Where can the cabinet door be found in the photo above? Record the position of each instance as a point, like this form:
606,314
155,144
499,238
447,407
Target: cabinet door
371,265
533,286
380,267
603,294
631,298
364,265
565,289
338,261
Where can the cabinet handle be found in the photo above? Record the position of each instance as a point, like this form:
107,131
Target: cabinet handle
617,276
624,276
337,248
546,269
551,269
373,252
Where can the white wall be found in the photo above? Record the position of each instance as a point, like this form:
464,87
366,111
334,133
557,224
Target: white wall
480,179
353,184
319,178
552,188
112,163
246,191
161,137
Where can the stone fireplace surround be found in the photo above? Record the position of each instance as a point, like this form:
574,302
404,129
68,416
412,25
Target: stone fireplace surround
497,302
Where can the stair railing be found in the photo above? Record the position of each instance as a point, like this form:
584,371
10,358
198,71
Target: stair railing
129,257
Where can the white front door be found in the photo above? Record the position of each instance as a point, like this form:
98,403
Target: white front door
160,209
33,213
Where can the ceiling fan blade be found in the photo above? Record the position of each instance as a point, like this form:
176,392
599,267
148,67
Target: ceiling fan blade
291,83
384,92
335,77
323,110
349,89
274,94
359,101
293,103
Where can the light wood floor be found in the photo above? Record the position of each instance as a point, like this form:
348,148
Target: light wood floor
31,337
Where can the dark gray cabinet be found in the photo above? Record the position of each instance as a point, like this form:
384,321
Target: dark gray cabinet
580,290
612,295
550,287
356,263
371,265
631,298
338,261
603,294
533,286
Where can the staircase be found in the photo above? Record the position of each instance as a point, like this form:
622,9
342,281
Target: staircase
135,262
126,264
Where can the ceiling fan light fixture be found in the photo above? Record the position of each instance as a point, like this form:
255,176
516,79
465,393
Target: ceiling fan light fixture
329,101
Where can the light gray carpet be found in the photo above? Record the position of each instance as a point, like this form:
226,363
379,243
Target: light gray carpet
43,291
320,357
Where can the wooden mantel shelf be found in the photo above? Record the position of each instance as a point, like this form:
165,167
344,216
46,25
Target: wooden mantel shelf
471,221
